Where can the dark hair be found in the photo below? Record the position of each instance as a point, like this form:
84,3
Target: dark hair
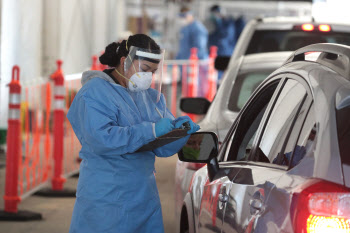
215,8
116,50
184,9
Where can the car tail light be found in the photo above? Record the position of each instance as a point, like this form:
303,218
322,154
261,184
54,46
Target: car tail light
307,27
327,224
195,166
324,28
321,207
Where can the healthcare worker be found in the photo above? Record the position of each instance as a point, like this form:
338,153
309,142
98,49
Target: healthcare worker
222,31
193,34
114,114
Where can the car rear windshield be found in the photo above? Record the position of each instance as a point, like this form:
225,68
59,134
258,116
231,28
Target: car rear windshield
343,129
245,84
273,40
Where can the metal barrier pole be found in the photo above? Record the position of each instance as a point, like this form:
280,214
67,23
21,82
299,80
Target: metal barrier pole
193,78
11,197
213,77
58,134
13,144
59,95
184,90
94,65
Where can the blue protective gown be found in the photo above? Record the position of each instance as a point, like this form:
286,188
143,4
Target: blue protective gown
239,24
223,36
193,35
117,190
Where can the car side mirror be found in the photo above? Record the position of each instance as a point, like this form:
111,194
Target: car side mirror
200,148
221,62
197,106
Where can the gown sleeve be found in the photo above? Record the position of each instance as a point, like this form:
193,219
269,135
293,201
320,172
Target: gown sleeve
98,128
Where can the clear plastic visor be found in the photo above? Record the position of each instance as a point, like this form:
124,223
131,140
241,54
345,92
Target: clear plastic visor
146,61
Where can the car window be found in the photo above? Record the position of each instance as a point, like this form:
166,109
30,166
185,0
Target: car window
343,130
290,40
306,141
301,139
285,113
244,86
241,140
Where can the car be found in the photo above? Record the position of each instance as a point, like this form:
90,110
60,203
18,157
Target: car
259,36
284,165
239,83
273,34
287,34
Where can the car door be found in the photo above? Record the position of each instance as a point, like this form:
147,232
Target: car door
211,209
260,147
299,154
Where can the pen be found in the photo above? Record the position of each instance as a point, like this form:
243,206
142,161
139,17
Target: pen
159,113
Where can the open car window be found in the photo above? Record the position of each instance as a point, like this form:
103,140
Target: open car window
343,130
301,139
288,112
240,142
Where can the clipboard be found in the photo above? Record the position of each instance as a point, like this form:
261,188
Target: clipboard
164,139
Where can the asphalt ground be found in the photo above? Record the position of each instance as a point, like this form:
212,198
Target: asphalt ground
57,212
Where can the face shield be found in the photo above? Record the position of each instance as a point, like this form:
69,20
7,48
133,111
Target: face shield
144,69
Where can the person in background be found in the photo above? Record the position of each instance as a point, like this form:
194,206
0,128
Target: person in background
239,24
222,31
192,34
114,114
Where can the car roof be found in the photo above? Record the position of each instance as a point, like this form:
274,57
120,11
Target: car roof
319,77
287,23
284,19
263,61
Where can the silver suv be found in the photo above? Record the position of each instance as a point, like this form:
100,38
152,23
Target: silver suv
287,34
284,165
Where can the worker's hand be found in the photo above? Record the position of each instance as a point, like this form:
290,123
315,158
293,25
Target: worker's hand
183,121
164,126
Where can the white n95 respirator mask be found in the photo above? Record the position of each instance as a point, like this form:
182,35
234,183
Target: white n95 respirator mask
140,81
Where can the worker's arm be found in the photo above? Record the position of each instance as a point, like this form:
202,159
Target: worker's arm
101,132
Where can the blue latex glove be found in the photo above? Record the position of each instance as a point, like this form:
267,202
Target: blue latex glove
164,126
180,120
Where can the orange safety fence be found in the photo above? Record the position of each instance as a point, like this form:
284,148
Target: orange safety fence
35,163
189,78
36,139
